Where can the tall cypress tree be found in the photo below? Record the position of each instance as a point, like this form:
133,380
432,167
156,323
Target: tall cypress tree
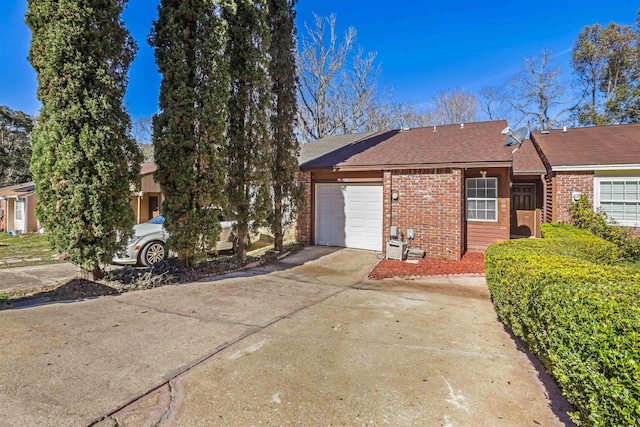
189,132
83,161
287,196
248,155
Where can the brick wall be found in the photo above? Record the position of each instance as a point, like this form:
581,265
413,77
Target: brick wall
565,184
303,219
429,202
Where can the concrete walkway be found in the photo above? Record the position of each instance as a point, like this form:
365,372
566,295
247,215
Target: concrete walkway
25,279
304,342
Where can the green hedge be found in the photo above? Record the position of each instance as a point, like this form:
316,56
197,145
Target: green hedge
585,217
579,313
563,239
560,229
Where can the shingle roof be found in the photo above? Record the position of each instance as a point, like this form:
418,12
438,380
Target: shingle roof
526,161
591,146
18,189
147,168
313,150
472,143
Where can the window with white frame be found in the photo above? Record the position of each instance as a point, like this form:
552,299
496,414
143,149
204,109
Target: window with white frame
18,209
619,198
482,199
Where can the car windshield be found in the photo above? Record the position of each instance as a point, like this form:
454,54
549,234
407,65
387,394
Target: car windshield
157,220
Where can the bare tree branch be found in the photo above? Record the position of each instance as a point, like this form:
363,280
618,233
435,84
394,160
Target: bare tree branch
494,103
455,106
538,94
338,90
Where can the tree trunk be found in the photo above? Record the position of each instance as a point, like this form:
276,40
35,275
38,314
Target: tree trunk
186,259
277,220
241,247
95,274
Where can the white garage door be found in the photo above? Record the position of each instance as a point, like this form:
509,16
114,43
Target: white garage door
349,215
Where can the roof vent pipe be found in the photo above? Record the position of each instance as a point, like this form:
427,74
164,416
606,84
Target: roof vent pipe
564,129
461,125
435,129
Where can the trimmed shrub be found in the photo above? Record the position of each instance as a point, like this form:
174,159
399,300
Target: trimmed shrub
559,229
564,239
584,217
579,313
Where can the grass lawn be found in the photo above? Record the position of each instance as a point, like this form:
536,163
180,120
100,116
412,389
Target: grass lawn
24,250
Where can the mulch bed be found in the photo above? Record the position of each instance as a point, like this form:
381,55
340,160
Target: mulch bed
471,263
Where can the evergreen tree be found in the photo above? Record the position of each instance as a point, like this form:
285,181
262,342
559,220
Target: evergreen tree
287,195
15,148
189,132
84,162
606,62
248,154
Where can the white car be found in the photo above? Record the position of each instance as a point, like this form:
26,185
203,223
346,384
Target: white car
148,243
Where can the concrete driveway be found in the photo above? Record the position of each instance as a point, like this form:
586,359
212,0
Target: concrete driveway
304,342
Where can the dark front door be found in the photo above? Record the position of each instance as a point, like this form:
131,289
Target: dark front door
523,210
154,209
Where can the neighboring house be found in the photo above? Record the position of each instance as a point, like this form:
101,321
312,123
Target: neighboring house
17,203
147,202
602,163
17,209
457,188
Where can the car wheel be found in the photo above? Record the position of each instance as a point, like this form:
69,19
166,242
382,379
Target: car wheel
152,253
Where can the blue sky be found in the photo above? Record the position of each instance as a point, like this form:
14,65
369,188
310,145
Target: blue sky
423,47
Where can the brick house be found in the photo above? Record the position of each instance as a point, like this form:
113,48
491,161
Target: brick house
455,188
601,162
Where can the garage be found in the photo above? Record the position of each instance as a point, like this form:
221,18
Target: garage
349,215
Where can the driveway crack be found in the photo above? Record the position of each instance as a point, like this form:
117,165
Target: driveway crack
172,394
167,413
176,313
414,299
